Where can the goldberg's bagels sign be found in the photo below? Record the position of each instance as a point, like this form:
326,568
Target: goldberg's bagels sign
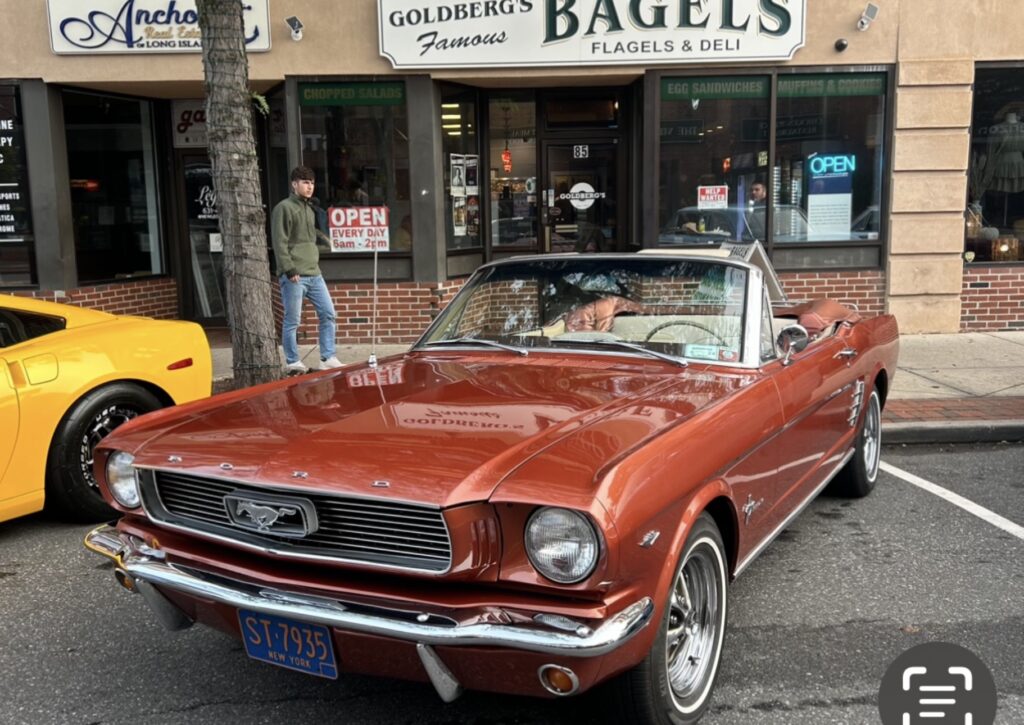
142,26
480,33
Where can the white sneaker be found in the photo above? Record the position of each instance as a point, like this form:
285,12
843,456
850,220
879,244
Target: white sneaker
296,368
330,363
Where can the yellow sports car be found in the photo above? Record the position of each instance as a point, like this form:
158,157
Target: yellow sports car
68,377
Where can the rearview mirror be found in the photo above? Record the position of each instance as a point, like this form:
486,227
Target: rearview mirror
793,339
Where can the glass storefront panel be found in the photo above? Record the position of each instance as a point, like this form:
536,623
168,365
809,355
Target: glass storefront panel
114,196
16,240
714,158
512,122
829,157
462,171
995,178
355,137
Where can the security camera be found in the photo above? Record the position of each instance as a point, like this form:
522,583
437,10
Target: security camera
295,25
842,44
867,17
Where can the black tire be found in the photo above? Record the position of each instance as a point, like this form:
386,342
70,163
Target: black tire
71,490
857,478
673,685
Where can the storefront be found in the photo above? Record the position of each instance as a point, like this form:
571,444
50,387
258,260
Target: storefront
875,163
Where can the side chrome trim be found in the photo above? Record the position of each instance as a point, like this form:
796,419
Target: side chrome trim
789,519
130,556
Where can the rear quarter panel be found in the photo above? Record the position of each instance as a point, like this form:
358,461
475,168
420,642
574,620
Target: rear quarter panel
51,373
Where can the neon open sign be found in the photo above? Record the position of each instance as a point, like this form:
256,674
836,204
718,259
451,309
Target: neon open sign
839,164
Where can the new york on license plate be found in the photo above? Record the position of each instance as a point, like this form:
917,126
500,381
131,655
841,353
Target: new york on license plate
288,643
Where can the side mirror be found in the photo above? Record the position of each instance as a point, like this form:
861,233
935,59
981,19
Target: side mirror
793,339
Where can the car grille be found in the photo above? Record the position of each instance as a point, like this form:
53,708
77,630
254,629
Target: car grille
368,531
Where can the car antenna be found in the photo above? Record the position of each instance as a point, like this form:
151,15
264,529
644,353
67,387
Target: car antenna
372,361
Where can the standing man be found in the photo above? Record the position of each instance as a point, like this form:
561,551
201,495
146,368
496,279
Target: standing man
294,235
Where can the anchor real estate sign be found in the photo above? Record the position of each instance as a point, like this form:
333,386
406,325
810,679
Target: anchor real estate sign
142,26
509,33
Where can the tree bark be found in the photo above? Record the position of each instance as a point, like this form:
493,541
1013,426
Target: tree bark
232,151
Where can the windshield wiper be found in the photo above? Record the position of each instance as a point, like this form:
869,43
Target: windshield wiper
477,341
628,346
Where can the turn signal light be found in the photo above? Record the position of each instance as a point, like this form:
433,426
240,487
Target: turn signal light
558,680
186,363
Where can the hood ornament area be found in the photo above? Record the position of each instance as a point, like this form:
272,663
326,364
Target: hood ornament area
269,514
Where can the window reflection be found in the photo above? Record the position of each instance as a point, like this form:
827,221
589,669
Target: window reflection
355,136
113,186
513,172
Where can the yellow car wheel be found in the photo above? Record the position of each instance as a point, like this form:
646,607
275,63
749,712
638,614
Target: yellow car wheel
71,489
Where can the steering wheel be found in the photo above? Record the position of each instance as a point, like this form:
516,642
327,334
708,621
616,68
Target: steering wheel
674,323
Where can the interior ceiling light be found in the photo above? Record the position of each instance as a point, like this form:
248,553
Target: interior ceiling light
451,116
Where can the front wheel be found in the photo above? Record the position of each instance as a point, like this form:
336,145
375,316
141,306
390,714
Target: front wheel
673,685
71,489
858,476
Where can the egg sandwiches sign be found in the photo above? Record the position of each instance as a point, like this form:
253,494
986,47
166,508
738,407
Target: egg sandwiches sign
142,26
507,33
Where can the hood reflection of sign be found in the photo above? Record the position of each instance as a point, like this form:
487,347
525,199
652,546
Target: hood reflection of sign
582,195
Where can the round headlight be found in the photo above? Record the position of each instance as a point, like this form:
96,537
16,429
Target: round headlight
562,545
123,480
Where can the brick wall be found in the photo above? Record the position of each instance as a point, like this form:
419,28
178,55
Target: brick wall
156,297
992,298
864,288
404,310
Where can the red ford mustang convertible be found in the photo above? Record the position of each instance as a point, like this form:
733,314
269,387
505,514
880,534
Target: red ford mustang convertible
550,490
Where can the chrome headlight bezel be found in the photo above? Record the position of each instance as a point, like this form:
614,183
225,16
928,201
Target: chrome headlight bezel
123,479
543,529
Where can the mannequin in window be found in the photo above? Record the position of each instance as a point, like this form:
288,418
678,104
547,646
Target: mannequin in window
1006,154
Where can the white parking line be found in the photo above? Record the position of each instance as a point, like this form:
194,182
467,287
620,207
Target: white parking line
967,505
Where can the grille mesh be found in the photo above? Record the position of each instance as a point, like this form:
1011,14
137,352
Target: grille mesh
371,531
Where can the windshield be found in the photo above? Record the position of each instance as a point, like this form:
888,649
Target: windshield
685,308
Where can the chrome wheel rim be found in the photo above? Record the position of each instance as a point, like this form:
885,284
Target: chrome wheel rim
693,623
101,425
872,443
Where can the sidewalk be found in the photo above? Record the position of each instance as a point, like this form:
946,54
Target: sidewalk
963,387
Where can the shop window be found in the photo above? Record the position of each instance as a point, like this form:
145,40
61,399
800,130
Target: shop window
829,165
462,172
829,156
995,177
16,240
355,137
114,195
512,122
714,158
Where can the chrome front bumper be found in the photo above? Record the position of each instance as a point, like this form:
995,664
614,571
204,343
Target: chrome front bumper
146,569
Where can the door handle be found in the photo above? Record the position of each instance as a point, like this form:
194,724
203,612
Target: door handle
847,353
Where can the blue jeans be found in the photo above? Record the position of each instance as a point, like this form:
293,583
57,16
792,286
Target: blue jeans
291,296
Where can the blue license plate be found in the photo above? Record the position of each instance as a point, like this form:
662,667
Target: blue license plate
288,643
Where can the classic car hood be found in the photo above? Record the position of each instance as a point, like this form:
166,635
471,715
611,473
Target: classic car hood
441,430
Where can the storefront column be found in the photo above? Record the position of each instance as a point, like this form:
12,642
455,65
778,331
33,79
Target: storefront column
929,192
426,181
49,186
651,145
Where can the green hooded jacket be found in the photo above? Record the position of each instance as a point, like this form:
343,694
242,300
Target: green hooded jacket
294,234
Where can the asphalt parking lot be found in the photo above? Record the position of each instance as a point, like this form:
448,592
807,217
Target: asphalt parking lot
814,623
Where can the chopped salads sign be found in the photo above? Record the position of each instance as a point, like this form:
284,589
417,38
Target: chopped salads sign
142,26
482,33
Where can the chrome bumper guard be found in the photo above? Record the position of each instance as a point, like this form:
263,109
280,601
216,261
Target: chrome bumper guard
147,569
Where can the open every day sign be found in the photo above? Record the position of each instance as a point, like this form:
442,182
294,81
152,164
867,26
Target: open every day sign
359,228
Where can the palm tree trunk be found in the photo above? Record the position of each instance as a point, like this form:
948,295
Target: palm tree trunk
236,179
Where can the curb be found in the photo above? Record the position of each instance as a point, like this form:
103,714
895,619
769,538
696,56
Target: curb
975,431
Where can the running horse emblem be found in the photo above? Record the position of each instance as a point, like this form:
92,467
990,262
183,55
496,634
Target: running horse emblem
263,516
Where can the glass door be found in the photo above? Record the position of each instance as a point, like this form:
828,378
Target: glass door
582,208
206,246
